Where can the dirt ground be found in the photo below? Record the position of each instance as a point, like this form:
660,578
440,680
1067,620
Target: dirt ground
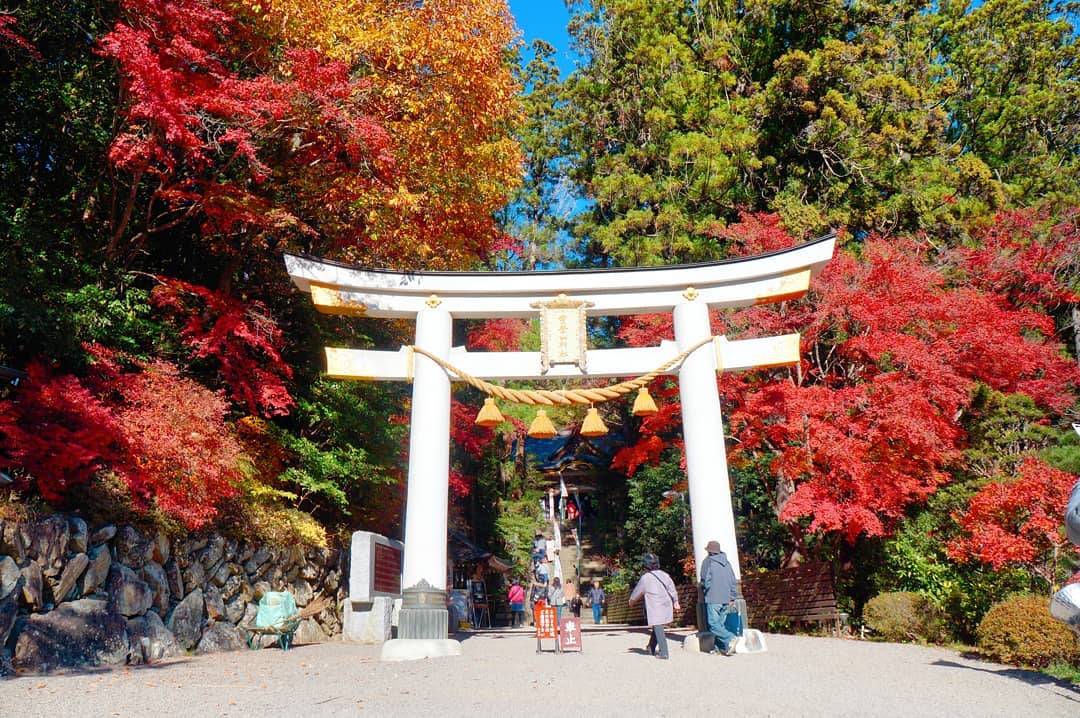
500,674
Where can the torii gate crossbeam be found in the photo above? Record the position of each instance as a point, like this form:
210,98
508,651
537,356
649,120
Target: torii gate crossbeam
434,299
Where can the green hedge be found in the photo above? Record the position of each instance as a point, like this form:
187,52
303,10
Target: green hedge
1021,631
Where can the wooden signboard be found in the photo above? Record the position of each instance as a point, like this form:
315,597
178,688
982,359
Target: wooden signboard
570,634
386,576
546,626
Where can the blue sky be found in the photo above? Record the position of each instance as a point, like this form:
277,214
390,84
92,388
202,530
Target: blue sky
545,20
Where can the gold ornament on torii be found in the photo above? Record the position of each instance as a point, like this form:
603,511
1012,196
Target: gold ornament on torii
562,332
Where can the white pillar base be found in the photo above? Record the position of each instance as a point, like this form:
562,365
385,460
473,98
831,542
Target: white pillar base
413,649
751,641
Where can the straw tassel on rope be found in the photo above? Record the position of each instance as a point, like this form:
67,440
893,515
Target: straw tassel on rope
541,426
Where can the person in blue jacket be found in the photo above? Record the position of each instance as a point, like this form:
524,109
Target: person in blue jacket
720,588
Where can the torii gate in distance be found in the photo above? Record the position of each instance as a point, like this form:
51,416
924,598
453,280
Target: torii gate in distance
435,299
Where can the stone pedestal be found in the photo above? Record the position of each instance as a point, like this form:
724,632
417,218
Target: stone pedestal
423,613
700,642
368,622
422,626
752,641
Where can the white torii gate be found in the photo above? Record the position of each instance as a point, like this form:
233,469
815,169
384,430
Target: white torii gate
434,299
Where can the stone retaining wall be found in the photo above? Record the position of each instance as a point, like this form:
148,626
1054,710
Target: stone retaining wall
72,595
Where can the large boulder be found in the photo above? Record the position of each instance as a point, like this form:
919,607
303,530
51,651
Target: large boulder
133,548
78,633
128,594
9,610
309,631
221,636
186,619
50,543
97,571
155,577
102,535
215,607
176,580
33,583
150,640
13,541
221,574
70,576
235,609
194,576
80,535
10,575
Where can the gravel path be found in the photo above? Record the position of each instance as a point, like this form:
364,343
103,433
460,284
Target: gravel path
501,674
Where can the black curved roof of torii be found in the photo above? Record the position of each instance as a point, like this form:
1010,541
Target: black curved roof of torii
549,272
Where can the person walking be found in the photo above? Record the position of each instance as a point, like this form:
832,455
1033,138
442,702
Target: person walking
596,600
516,597
658,590
556,597
539,548
575,606
720,589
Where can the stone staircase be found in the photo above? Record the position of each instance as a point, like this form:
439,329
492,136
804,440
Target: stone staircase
568,559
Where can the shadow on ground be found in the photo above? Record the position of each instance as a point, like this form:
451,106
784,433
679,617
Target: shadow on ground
1069,690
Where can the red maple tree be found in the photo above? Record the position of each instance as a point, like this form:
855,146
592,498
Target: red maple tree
871,422
180,456
57,432
240,337
1016,521
163,435
227,127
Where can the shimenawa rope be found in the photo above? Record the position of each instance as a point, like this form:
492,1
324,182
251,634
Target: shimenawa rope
545,397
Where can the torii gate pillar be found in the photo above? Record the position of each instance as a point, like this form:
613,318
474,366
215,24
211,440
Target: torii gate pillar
712,518
426,501
423,577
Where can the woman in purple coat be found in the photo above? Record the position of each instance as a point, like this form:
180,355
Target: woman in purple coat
661,601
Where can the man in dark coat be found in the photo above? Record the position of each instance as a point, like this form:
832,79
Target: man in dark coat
720,588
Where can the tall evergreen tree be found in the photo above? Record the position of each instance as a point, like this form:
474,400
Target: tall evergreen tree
875,116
